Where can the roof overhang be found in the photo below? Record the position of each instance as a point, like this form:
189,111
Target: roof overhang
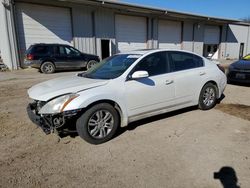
155,11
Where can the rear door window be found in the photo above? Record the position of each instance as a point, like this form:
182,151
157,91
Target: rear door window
183,61
55,50
71,51
30,49
62,51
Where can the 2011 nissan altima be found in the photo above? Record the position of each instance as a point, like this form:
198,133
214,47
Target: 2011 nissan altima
124,88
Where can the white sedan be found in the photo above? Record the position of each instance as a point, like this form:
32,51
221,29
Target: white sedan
124,88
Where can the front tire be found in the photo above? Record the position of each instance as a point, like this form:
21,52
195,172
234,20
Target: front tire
98,124
47,68
208,97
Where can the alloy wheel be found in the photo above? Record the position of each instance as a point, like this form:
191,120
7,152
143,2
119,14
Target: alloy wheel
48,68
100,124
209,96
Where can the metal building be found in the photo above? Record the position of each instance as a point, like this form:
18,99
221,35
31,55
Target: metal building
108,27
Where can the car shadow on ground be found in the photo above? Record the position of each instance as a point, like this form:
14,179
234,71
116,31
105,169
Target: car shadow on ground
227,177
132,126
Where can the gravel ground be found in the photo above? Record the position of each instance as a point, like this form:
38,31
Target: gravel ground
178,149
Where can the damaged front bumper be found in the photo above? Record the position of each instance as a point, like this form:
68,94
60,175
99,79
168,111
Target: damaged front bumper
51,123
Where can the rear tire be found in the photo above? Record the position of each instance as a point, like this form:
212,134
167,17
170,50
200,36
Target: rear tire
208,97
98,124
47,68
90,64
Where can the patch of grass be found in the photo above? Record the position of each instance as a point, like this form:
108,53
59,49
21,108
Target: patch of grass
237,110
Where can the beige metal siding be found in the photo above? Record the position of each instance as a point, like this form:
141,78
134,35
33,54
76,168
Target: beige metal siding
83,27
236,34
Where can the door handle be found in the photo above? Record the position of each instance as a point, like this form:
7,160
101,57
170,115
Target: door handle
202,73
169,82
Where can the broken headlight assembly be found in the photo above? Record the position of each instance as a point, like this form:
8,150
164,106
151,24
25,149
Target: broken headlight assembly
58,104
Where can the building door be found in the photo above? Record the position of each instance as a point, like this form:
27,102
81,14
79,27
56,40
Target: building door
211,42
106,48
241,50
169,34
42,24
131,33
211,51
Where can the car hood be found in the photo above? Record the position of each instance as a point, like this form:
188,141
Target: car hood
64,85
241,64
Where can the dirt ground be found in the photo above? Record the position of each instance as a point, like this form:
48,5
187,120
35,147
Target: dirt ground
179,149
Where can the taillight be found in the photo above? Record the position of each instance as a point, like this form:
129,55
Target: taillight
221,68
30,57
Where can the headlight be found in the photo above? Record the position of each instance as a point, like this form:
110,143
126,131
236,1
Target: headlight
57,105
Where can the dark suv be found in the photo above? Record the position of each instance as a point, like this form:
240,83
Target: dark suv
51,57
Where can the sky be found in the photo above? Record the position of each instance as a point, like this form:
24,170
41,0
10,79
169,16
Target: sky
235,9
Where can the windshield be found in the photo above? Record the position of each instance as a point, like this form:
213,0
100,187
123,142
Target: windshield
111,67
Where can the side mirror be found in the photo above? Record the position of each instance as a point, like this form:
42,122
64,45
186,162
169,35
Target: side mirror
139,74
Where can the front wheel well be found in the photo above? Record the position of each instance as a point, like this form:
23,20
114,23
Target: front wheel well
112,103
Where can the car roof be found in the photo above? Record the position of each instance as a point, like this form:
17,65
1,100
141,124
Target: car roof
148,51
50,44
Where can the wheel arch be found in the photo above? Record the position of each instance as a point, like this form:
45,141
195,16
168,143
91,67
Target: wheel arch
122,117
47,60
216,86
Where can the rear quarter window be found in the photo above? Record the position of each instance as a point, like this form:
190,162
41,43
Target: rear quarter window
41,50
29,50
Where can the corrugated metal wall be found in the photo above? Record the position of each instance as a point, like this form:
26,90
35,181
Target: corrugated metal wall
83,29
187,43
237,34
91,23
222,51
104,20
7,35
198,38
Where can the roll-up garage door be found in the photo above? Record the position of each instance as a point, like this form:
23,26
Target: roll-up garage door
169,34
43,24
212,35
131,33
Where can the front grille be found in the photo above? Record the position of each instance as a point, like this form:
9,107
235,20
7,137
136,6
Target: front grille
242,70
232,74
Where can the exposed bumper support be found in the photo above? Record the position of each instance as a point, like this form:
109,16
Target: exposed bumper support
38,120
52,122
